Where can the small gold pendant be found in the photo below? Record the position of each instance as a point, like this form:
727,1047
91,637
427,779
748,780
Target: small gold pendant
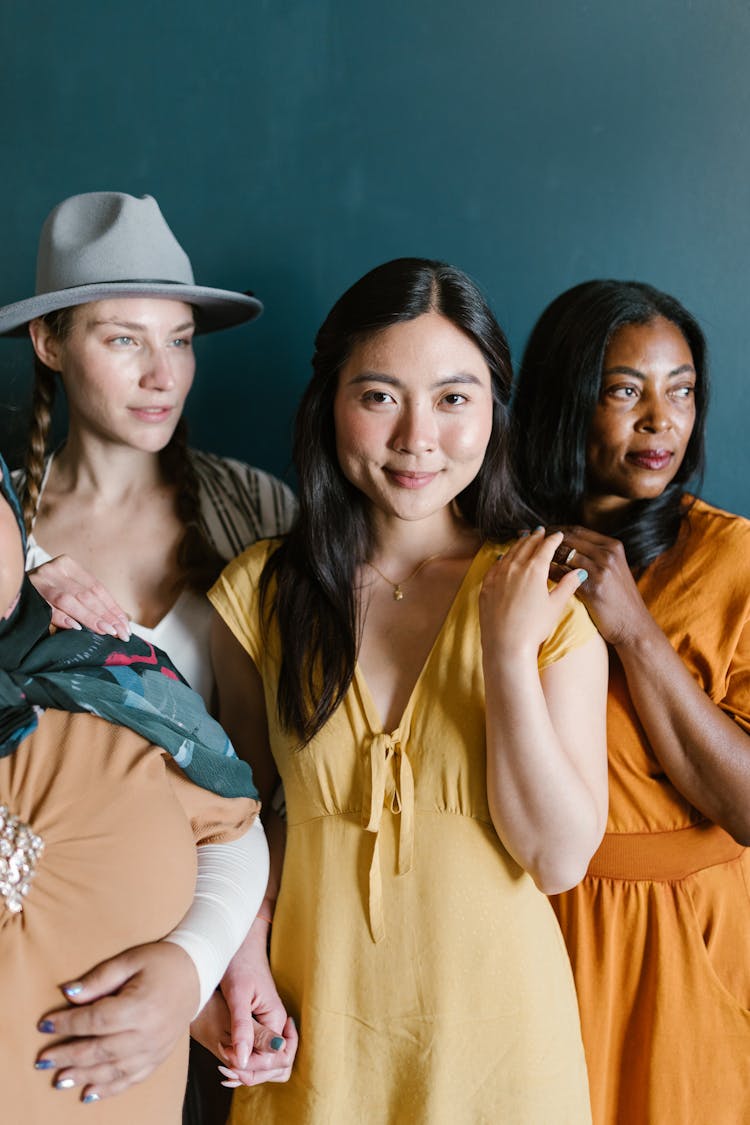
398,594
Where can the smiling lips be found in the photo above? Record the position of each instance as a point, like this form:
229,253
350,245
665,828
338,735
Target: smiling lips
653,459
405,479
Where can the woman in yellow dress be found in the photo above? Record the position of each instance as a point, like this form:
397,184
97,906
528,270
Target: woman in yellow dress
435,712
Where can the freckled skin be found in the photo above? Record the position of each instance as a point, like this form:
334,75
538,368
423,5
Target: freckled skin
121,356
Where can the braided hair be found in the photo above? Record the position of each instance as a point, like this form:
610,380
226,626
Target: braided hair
199,562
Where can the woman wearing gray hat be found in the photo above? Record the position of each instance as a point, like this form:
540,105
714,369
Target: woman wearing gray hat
124,498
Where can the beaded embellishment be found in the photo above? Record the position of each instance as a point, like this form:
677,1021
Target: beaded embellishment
20,849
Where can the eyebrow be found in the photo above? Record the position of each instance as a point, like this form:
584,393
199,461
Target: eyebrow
393,381
136,326
622,369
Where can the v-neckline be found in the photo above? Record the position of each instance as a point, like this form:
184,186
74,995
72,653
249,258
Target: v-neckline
369,707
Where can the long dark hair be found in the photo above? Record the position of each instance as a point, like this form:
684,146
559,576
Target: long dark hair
198,561
315,602
558,388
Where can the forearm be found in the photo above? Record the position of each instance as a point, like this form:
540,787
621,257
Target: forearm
546,810
231,881
703,752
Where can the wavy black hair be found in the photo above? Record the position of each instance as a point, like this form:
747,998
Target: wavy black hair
558,388
315,601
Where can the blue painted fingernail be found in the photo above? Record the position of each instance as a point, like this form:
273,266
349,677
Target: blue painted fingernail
64,1083
583,575
88,1098
538,527
277,1043
73,988
524,534
44,1064
47,1026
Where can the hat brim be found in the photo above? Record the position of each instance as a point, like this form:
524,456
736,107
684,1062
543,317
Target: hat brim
216,308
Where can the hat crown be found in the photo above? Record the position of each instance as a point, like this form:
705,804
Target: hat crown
108,236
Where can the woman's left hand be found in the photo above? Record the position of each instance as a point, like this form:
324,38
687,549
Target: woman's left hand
609,593
128,1014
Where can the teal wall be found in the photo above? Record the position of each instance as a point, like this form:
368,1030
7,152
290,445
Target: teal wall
293,145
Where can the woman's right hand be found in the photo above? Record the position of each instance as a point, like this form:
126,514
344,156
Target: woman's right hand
78,598
254,1008
610,593
517,610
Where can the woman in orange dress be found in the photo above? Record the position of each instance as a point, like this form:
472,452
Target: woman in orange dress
610,411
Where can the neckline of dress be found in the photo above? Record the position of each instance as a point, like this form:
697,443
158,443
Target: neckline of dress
369,708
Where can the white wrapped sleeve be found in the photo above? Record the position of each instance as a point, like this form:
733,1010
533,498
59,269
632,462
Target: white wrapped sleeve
229,888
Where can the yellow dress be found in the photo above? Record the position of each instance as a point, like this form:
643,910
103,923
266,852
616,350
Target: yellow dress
426,973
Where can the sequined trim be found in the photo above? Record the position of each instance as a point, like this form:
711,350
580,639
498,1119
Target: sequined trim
20,849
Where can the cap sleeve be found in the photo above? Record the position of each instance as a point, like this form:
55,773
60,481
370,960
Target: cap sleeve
213,819
235,596
574,629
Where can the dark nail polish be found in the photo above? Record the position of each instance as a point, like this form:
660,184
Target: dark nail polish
47,1026
277,1043
44,1064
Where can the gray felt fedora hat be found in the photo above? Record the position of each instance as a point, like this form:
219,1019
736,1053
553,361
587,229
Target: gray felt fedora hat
107,244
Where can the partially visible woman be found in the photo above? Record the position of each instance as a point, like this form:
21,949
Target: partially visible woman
436,714
124,498
610,412
110,772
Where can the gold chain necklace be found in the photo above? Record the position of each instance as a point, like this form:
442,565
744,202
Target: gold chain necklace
398,593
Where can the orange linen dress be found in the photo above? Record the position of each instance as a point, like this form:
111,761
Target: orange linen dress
119,822
426,972
659,930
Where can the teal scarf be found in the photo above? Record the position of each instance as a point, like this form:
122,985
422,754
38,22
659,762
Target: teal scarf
128,683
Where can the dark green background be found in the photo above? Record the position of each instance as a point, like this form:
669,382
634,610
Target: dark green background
293,145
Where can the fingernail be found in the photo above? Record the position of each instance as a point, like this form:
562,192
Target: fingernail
524,534
44,1064
232,1085
73,988
65,1083
105,627
47,1026
73,624
92,1097
277,1043
538,528
243,1055
583,575
227,1072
